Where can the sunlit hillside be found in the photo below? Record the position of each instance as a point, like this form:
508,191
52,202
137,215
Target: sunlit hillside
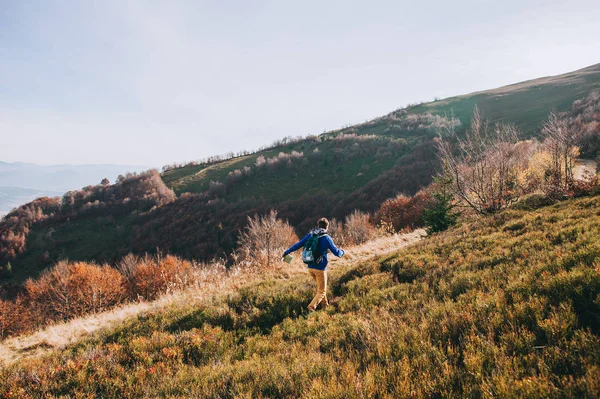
506,305
525,104
197,210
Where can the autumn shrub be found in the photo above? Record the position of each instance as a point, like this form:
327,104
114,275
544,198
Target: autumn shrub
264,239
485,165
358,228
73,289
584,119
560,142
403,212
336,232
503,306
149,277
15,317
589,184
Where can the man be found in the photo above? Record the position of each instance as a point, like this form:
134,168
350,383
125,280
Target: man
318,269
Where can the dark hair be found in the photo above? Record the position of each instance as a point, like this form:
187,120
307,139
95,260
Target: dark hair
323,223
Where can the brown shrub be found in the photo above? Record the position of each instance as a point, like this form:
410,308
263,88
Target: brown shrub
264,240
484,166
69,290
150,277
336,232
73,289
357,228
403,212
15,317
588,184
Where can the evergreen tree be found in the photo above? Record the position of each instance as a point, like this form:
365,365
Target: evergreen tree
439,215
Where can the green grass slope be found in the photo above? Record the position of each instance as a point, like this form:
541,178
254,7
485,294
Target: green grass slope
526,104
327,165
353,168
86,238
506,306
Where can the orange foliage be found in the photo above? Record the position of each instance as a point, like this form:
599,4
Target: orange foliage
15,317
150,277
403,212
357,229
264,239
74,289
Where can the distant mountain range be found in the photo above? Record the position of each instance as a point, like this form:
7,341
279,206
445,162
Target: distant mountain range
22,182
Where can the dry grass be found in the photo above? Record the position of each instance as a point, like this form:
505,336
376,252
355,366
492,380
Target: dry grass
562,79
377,247
210,283
500,306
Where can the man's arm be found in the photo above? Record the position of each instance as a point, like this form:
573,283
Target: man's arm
334,250
297,245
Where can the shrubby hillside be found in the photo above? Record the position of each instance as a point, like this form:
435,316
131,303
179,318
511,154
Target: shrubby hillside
504,305
83,224
354,168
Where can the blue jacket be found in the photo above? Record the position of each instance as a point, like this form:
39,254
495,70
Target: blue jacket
325,245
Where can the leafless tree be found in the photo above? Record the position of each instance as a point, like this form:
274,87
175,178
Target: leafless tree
560,142
358,229
264,239
483,167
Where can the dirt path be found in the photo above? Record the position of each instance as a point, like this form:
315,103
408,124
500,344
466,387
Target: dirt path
583,167
378,247
60,335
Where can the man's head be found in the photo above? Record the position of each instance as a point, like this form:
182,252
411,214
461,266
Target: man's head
323,223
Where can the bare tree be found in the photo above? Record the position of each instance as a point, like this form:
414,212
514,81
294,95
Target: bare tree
560,142
483,167
358,229
264,239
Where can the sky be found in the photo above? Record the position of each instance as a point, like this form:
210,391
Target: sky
155,82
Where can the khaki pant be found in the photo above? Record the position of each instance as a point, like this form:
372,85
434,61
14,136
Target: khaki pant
320,277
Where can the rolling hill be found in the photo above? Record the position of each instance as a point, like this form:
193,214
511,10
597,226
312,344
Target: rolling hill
503,306
524,104
332,174
22,182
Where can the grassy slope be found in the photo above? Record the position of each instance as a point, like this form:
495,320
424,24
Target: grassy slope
287,183
505,306
86,238
525,104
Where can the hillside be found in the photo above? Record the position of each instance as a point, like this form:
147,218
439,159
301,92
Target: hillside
507,305
525,104
333,174
13,197
21,182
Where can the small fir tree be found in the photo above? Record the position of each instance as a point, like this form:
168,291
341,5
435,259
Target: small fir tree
439,215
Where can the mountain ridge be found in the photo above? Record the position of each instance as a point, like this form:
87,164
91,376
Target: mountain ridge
333,174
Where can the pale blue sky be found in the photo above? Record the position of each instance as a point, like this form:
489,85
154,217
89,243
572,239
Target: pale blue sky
155,82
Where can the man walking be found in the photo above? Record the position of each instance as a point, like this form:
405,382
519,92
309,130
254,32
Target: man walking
316,259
